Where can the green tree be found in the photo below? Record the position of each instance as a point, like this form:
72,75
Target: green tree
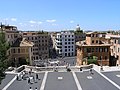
3,57
92,60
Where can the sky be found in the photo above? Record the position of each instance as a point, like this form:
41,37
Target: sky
57,15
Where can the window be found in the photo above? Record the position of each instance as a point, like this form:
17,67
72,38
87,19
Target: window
60,36
118,49
65,42
96,35
68,42
18,50
100,57
68,46
72,53
65,50
65,46
96,41
106,49
105,57
13,50
65,39
100,49
61,50
92,41
35,37
96,49
72,42
65,54
88,50
115,41
92,49
36,57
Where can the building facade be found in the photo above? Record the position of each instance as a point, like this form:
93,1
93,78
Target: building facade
20,48
114,48
41,44
65,43
94,45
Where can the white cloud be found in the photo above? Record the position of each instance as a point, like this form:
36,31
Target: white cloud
71,21
32,21
51,21
40,22
13,19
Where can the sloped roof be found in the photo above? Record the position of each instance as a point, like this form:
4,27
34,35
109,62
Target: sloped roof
21,42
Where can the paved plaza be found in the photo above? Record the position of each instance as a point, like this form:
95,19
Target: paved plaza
108,79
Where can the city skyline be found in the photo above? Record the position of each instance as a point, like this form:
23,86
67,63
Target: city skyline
60,15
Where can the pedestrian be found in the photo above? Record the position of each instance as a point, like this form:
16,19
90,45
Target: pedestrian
17,77
91,71
28,80
80,68
36,76
30,88
36,88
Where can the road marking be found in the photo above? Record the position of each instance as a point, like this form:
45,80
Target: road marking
109,80
89,77
76,81
44,81
5,88
60,78
118,75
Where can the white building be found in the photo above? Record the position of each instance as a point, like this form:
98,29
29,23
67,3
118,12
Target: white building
65,43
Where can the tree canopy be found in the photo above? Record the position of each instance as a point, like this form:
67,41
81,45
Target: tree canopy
3,57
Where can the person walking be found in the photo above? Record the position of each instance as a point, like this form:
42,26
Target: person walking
17,77
28,80
91,71
36,76
36,88
30,88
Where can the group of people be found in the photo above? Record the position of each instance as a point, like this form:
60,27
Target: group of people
29,77
32,79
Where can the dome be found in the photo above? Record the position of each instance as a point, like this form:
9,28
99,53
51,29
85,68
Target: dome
78,27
